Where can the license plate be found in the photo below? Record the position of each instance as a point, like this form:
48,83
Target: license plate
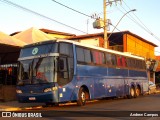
32,98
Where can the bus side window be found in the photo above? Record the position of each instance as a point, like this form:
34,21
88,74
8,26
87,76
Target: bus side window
62,65
95,56
66,49
119,61
133,63
124,64
87,56
114,60
66,63
128,63
108,59
80,54
143,65
102,57
98,57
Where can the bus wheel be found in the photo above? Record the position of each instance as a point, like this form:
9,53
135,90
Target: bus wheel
132,93
138,92
82,97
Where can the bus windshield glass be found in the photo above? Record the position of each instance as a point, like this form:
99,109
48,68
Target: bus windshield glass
36,71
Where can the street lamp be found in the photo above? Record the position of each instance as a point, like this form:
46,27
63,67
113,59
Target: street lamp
120,21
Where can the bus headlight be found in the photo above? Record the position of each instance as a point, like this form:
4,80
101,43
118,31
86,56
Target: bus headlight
50,89
19,91
54,88
47,90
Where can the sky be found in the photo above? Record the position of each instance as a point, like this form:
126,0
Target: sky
143,22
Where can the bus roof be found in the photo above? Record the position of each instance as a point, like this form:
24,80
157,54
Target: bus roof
101,49
87,46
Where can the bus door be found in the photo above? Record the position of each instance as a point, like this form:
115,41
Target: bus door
64,78
66,70
62,74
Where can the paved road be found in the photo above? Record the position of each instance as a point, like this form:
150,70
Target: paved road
148,105
141,106
142,103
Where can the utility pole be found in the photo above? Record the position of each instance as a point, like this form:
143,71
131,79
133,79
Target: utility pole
105,24
106,43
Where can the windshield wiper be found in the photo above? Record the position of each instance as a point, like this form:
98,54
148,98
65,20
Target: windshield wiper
23,82
39,81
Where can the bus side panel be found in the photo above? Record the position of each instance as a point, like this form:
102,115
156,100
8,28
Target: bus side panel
110,88
70,91
133,73
106,82
126,86
142,77
99,87
67,92
103,86
115,83
87,82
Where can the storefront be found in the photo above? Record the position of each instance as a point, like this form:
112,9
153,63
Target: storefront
8,71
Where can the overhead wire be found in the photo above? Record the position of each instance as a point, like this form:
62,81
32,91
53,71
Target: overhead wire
145,27
130,17
84,15
38,14
140,23
71,8
33,12
137,17
79,11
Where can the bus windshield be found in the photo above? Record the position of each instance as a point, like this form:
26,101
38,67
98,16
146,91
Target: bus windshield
36,71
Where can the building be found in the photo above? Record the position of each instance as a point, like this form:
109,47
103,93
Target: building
57,34
125,42
121,41
9,52
157,79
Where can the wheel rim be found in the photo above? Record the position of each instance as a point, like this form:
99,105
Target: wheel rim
132,92
137,92
83,97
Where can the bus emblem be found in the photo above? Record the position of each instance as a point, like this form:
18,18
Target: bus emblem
35,51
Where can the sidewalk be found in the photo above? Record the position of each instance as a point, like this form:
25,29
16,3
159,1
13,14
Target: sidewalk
15,106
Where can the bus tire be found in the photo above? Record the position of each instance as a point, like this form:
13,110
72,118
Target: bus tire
82,97
131,93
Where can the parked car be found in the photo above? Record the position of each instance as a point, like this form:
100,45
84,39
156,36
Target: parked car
152,88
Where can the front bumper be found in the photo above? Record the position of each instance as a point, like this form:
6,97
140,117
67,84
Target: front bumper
40,97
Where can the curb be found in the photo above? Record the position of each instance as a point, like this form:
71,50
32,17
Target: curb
11,109
20,108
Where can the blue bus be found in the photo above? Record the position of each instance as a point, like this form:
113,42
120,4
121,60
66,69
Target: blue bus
59,71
